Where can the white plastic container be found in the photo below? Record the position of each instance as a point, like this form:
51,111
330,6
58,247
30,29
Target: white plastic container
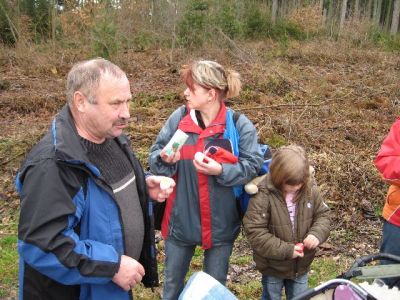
176,142
202,286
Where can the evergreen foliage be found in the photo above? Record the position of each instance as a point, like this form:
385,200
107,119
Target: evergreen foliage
8,34
38,12
228,21
257,22
192,26
103,36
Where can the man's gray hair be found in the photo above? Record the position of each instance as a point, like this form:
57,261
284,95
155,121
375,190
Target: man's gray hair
85,77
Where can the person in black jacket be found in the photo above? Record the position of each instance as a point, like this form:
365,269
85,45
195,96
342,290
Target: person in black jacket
86,229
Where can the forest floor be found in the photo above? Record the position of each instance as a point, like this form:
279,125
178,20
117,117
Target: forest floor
336,100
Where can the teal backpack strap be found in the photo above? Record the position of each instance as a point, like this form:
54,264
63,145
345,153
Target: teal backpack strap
231,131
232,134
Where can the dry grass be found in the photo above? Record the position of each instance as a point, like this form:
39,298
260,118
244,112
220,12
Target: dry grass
308,18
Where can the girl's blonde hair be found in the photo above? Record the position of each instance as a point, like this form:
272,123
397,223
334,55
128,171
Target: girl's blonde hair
290,166
211,75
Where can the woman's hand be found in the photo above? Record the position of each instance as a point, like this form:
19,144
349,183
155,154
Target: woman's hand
170,159
208,166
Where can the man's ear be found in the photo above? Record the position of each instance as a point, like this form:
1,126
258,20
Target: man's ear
80,101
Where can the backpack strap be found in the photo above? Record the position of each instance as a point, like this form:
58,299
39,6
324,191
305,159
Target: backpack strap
236,116
183,114
183,111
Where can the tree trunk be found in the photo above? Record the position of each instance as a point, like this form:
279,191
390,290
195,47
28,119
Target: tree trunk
343,14
53,14
395,17
151,12
374,10
369,9
377,11
357,10
324,11
173,42
274,11
331,14
388,20
324,16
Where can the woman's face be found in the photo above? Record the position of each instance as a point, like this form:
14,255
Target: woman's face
198,97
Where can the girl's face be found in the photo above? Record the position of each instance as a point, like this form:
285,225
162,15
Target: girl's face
287,188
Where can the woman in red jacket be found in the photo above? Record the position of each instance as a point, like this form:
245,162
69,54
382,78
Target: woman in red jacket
203,209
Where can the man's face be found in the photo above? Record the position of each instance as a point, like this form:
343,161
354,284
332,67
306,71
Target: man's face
110,114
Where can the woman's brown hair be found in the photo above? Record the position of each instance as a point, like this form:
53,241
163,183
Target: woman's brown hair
211,75
290,166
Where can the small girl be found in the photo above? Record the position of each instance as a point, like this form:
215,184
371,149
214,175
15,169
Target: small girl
285,222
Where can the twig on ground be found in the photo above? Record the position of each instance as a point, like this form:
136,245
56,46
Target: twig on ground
297,86
6,161
3,234
277,105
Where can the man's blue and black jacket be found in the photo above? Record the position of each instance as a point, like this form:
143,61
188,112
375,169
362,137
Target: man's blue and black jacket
70,235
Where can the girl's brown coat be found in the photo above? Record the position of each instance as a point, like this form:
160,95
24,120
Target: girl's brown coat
269,230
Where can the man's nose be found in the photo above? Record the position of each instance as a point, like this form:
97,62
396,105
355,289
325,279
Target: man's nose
124,112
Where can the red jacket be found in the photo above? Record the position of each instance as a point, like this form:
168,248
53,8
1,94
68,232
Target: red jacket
388,163
202,209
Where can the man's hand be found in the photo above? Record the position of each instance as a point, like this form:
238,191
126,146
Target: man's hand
129,274
154,189
311,241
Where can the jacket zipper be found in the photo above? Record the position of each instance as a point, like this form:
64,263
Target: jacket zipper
297,238
294,237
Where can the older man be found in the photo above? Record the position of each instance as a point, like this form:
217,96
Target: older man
85,229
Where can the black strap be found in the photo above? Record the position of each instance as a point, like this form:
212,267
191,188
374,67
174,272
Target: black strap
236,116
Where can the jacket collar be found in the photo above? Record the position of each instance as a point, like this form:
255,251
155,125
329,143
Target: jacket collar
217,126
67,142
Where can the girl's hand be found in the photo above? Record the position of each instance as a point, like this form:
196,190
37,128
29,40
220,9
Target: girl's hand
297,251
311,241
208,166
170,159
